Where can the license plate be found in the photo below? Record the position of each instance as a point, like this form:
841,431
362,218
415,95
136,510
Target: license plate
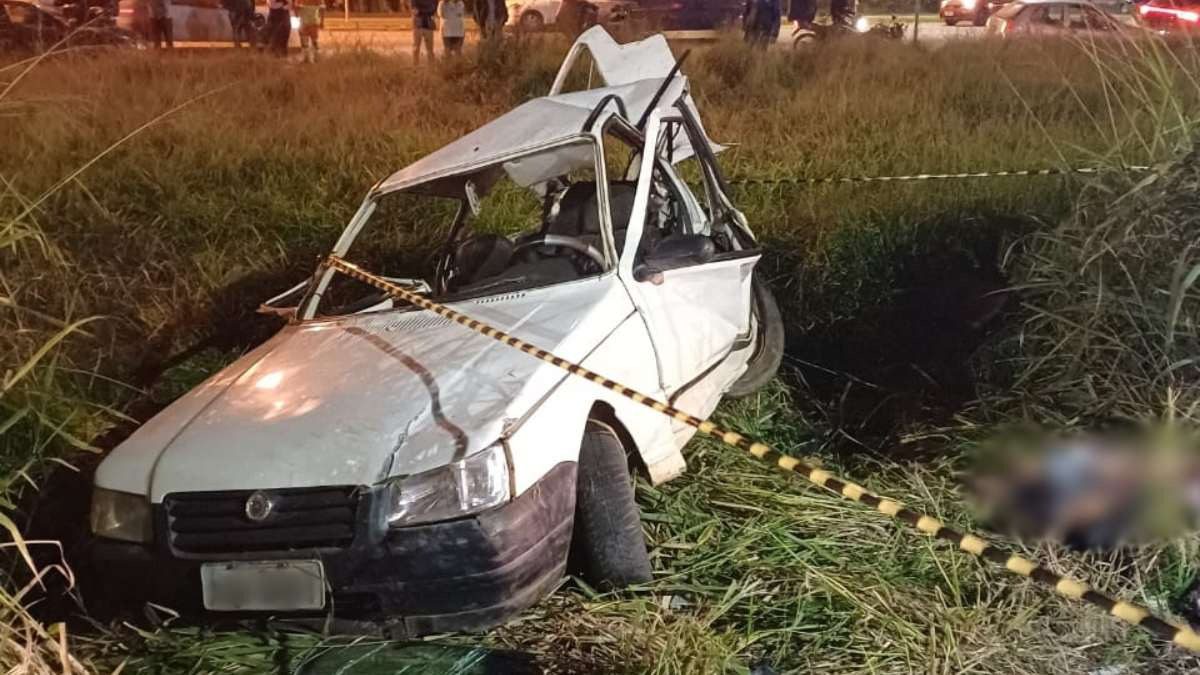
275,585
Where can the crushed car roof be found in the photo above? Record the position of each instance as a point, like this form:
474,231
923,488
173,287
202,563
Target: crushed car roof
633,73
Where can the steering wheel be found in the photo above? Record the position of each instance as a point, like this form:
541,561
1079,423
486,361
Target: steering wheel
573,243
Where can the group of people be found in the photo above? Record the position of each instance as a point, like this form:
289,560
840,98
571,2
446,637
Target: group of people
425,24
489,15
248,28
761,19
273,36
277,31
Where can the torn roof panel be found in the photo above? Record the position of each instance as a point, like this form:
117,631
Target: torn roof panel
633,72
534,124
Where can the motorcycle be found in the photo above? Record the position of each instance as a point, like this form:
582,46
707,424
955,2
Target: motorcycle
805,35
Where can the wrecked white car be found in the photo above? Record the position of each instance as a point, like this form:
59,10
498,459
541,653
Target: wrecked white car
377,460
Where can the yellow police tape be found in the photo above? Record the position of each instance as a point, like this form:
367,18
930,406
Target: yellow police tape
1064,586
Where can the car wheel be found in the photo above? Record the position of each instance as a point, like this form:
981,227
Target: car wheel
768,344
532,22
952,22
804,40
608,539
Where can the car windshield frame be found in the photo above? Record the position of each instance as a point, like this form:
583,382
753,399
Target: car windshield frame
437,187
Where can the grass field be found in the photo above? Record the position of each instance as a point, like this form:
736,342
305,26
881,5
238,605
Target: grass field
246,169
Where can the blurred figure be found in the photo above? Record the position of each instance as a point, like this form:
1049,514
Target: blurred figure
279,27
161,29
241,21
803,13
453,28
312,22
1090,491
760,22
490,16
424,26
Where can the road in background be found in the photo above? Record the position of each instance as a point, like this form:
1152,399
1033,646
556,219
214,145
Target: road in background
393,34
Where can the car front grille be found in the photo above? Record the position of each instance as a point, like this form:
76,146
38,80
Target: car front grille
217,522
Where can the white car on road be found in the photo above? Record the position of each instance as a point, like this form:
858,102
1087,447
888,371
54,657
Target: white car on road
373,459
531,16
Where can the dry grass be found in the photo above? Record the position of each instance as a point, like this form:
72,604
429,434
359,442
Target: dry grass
178,233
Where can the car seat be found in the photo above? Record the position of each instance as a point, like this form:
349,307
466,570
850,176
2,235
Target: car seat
480,257
578,214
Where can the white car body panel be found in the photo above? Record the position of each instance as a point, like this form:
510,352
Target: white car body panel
348,401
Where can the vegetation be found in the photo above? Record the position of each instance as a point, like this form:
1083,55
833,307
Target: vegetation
247,168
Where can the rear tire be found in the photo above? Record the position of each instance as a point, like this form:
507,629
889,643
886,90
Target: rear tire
608,535
768,345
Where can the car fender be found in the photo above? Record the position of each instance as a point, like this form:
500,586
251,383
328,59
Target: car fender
553,431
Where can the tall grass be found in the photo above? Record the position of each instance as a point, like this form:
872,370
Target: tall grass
176,235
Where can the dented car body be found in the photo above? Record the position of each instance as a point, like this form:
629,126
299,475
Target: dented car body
375,459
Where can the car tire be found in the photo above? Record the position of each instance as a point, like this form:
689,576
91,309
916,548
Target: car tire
608,540
531,22
768,345
951,22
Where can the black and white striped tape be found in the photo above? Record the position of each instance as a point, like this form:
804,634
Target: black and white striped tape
831,180
1182,636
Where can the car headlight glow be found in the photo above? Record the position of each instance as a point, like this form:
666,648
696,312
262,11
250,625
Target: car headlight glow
458,489
968,4
121,515
862,25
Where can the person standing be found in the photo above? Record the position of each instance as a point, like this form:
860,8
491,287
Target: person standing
160,24
761,22
241,21
490,16
453,29
312,22
279,26
424,25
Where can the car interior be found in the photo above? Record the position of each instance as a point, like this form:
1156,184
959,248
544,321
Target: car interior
568,244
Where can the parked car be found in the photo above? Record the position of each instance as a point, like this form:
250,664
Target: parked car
1049,18
376,459
536,15
975,11
1169,16
27,27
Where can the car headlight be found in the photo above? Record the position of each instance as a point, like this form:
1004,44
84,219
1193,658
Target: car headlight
461,488
862,25
121,515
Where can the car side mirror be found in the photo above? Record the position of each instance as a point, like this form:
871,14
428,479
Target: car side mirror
673,252
680,250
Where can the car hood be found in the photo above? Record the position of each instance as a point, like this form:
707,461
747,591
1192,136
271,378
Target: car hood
362,398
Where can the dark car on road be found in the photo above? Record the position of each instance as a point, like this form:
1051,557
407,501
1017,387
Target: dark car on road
688,14
25,27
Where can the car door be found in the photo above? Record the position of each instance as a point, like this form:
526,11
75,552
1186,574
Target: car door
696,309
1046,20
